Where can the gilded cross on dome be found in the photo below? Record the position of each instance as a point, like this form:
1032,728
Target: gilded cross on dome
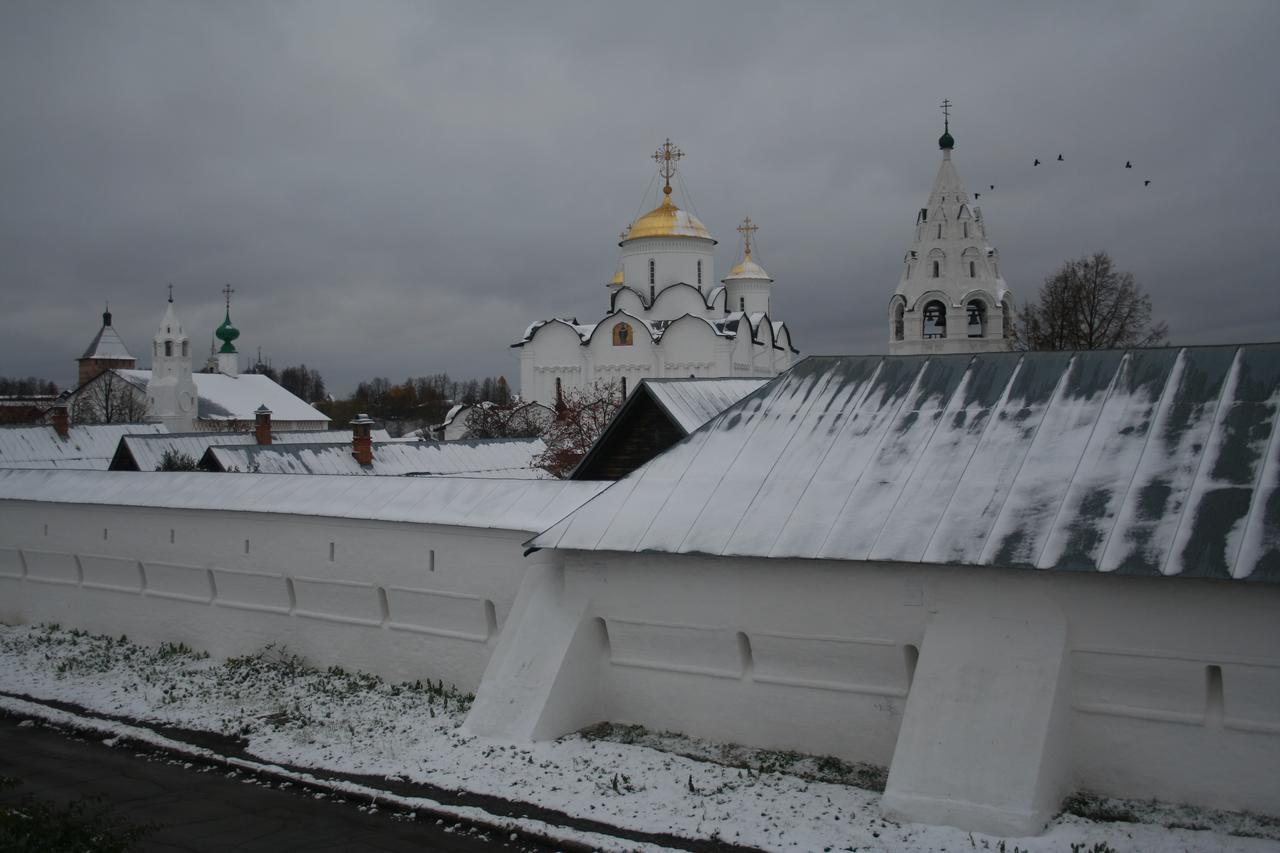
666,157
946,114
746,229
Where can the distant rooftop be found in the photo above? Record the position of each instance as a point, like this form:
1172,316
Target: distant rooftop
87,446
519,505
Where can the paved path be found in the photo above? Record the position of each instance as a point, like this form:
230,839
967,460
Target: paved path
209,810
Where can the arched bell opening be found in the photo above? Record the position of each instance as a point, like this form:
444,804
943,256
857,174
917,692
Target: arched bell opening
934,322
977,322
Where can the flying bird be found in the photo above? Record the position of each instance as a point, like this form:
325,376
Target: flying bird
1036,163
1128,165
1059,158
1146,183
977,196
993,186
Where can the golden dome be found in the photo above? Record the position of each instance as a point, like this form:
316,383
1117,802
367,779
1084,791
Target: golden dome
667,220
617,277
748,268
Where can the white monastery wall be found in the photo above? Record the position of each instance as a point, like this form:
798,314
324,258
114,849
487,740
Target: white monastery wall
1138,687
405,601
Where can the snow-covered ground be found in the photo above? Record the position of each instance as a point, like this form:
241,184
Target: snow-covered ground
355,723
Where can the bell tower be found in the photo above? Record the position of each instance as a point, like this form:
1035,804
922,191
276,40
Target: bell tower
171,391
951,296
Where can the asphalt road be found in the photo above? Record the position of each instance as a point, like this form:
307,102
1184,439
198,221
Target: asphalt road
204,809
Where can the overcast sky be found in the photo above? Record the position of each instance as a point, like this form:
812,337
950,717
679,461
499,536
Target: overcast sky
397,189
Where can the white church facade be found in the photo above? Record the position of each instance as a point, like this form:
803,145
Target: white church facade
951,297
667,317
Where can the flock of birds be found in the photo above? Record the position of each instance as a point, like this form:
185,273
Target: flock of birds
1128,164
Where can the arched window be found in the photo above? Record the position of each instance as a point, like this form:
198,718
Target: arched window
899,321
973,270
653,272
168,348
935,320
559,390
937,268
742,304
186,349
977,310
966,230
624,387
622,336
939,230
699,272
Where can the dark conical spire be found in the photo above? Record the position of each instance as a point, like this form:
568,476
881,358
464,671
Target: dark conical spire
106,314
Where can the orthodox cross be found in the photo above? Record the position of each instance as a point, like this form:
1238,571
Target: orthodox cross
666,157
946,115
746,229
170,292
227,290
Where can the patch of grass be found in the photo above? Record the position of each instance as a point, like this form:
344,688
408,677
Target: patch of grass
30,825
815,768
1104,809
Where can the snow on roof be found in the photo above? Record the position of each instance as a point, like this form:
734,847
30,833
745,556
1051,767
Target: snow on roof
491,458
693,402
1145,462
88,446
107,344
522,505
224,397
146,451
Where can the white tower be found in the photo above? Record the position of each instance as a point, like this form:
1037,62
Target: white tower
171,392
667,245
951,297
747,286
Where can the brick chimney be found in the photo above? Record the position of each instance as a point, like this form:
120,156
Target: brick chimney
361,440
61,419
262,424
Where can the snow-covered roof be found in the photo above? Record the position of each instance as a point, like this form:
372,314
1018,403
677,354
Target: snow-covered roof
490,458
693,402
144,452
87,446
521,505
1145,462
224,397
107,344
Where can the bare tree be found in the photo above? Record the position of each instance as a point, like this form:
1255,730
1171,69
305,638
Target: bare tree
512,419
581,416
1089,304
109,398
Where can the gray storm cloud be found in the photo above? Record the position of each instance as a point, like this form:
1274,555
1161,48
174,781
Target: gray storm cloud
397,189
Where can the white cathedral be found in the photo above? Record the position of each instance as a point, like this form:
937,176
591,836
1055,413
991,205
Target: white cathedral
951,297
666,316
